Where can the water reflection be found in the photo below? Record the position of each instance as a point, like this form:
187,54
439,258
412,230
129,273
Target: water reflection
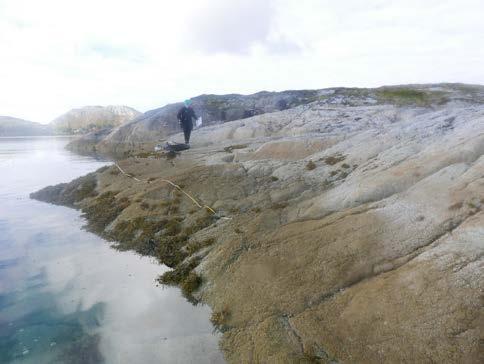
65,296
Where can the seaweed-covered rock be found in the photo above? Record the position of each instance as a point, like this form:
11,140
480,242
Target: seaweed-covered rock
68,194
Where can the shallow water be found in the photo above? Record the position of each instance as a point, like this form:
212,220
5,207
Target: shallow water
65,295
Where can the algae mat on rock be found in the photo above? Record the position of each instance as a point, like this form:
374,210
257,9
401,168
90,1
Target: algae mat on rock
365,244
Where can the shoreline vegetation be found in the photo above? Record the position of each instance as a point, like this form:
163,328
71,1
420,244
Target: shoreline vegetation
346,226
161,232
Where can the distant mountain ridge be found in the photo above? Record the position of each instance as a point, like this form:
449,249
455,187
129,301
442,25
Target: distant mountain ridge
10,126
90,118
82,120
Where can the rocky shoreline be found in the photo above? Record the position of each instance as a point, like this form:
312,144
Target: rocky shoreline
341,234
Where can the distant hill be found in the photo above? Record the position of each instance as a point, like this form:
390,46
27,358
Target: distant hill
10,126
92,118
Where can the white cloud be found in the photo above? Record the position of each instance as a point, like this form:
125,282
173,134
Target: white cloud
62,54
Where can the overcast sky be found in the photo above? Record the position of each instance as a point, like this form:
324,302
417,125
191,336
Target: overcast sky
61,54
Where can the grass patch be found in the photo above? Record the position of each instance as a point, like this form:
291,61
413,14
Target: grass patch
408,96
279,205
310,166
274,179
333,159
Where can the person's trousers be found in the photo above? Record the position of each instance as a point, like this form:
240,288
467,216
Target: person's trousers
187,131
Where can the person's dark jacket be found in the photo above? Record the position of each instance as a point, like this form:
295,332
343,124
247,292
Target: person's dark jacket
185,116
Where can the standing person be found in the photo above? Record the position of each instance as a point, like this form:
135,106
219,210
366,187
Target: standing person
185,116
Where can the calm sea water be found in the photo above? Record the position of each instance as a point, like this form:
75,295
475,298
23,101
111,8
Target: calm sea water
65,295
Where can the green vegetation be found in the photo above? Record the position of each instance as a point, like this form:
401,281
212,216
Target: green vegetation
184,276
409,96
179,273
84,190
169,250
132,234
190,284
274,179
104,210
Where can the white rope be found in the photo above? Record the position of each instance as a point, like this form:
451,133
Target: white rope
174,185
